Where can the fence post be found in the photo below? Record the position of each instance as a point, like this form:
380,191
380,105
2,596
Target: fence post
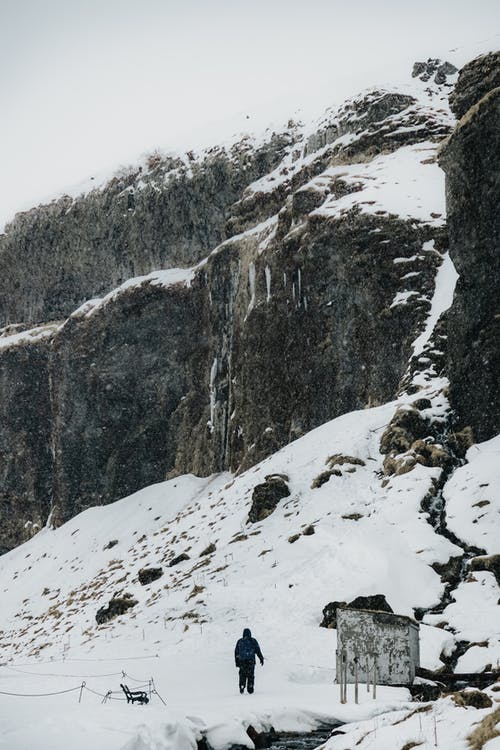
374,676
81,691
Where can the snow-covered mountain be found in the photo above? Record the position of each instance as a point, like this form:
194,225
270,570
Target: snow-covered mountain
318,382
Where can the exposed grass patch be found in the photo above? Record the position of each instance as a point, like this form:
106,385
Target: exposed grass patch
485,731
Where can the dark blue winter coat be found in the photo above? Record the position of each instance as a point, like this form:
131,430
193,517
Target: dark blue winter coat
247,648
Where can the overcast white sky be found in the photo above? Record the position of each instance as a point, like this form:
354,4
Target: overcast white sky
89,85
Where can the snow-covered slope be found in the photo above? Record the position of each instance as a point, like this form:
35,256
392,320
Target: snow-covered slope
274,575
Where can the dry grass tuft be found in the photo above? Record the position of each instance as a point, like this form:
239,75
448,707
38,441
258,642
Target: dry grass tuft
485,731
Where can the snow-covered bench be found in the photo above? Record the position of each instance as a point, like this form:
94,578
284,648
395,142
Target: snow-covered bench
135,696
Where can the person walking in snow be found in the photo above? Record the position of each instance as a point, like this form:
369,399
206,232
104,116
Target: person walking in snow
245,652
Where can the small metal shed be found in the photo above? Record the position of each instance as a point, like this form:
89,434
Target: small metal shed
378,646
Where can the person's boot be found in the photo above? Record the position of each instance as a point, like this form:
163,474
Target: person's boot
242,689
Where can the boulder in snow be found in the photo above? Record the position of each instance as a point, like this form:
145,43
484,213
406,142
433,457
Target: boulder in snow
266,496
148,575
118,605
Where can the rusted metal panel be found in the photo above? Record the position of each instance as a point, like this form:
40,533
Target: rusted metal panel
386,642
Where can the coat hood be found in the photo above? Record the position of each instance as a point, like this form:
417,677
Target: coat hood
247,633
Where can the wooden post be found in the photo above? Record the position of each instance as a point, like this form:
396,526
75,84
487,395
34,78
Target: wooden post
374,677
81,691
356,679
343,678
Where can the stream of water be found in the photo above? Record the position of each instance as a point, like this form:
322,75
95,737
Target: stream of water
300,740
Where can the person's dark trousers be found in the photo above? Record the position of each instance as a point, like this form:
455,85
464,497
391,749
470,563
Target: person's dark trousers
247,675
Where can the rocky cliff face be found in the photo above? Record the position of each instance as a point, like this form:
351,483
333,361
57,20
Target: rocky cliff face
169,211
470,160
25,440
307,309
118,375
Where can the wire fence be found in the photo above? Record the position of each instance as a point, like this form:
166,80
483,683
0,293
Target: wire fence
146,686
40,695
57,674
122,673
144,657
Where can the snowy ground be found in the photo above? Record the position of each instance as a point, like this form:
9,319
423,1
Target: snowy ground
442,725
367,539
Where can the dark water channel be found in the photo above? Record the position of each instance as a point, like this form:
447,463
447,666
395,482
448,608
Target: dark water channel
284,740
300,740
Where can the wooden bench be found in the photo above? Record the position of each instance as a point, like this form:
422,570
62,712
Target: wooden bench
135,696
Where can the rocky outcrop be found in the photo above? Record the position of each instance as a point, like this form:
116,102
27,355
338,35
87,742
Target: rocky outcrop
470,160
474,698
375,603
116,606
266,496
433,68
148,575
410,439
476,79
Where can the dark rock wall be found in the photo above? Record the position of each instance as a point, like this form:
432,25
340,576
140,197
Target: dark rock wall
476,79
328,341
470,159
25,442
317,338
213,376
118,377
